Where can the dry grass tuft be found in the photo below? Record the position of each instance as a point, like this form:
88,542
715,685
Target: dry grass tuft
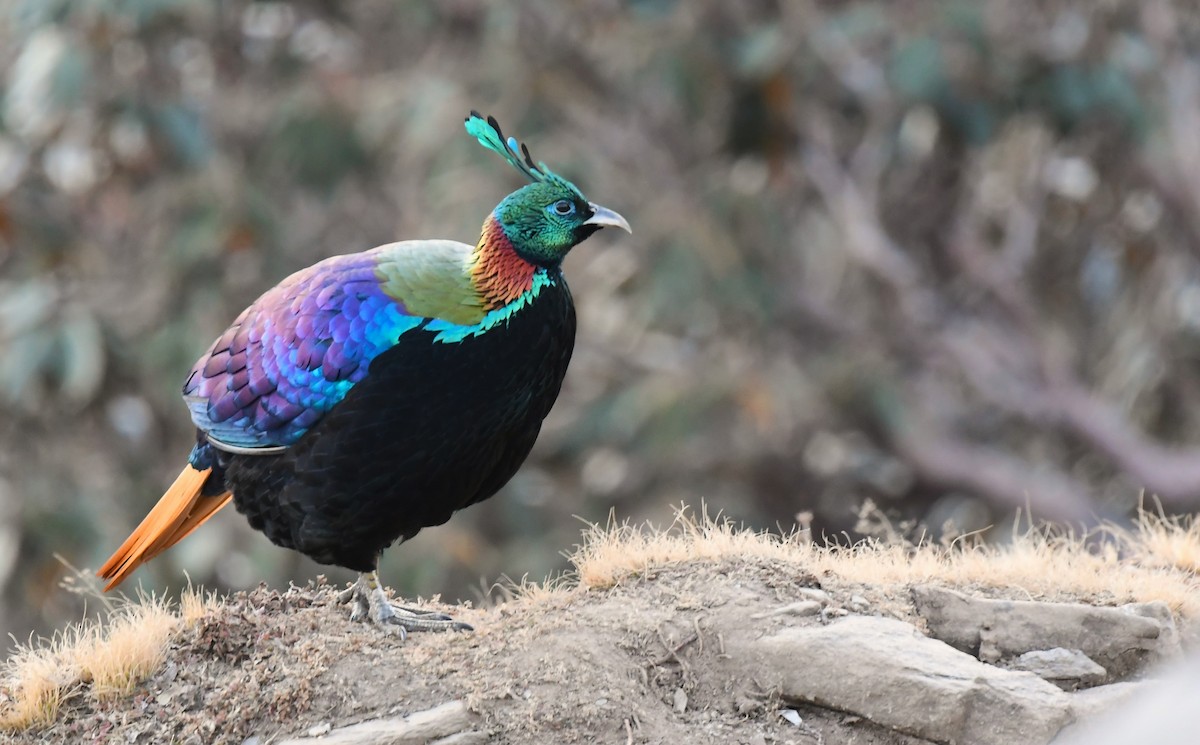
40,681
610,553
1169,542
106,658
195,604
132,645
1156,560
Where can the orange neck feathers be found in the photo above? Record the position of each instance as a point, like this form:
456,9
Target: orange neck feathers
500,276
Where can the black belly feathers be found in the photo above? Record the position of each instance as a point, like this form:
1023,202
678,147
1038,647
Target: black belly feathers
433,428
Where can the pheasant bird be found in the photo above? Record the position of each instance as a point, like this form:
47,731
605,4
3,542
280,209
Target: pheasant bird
375,394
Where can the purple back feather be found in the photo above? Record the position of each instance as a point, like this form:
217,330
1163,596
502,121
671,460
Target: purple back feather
295,353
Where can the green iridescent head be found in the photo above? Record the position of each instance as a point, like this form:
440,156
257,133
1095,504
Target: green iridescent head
550,216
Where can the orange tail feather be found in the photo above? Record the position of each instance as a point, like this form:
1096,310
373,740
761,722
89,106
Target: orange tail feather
180,511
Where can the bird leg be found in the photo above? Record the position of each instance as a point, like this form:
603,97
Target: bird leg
369,601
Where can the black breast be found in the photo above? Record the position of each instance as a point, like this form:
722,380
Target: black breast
432,428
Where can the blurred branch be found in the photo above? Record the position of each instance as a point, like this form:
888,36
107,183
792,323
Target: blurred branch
1004,359
1039,386
1004,479
852,205
1171,474
1007,480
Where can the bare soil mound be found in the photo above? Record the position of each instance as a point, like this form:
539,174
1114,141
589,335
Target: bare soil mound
643,647
563,667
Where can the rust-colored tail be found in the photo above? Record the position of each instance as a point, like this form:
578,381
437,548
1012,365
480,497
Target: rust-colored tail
180,511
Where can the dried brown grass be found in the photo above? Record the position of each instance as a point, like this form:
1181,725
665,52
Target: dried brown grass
98,658
1158,559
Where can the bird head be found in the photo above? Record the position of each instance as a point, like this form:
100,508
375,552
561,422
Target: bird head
547,218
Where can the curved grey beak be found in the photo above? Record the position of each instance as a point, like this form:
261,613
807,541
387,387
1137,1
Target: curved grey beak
604,217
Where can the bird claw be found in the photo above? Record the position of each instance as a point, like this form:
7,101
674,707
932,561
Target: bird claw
417,620
428,615
427,620
370,602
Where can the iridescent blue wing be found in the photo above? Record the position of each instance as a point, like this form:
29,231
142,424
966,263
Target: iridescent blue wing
295,353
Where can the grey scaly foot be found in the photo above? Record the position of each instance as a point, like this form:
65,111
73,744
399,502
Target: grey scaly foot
371,602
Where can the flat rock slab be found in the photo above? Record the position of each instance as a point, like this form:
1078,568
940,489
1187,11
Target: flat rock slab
888,672
448,724
1122,640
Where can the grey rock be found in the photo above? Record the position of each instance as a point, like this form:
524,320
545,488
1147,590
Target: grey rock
1123,641
448,724
1170,647
680,700
1066,668
888,672
792,716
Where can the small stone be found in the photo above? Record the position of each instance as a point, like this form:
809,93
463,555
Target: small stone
681,700
792,716
252,740
320,729
1066,668
859,604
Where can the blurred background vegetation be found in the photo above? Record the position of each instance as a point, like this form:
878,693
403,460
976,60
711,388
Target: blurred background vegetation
943,256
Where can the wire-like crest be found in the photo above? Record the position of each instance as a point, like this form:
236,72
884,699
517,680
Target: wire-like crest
487,131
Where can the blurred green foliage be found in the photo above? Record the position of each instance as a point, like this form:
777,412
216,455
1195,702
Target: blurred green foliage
940,255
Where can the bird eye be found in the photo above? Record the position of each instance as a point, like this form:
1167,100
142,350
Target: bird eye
563,207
